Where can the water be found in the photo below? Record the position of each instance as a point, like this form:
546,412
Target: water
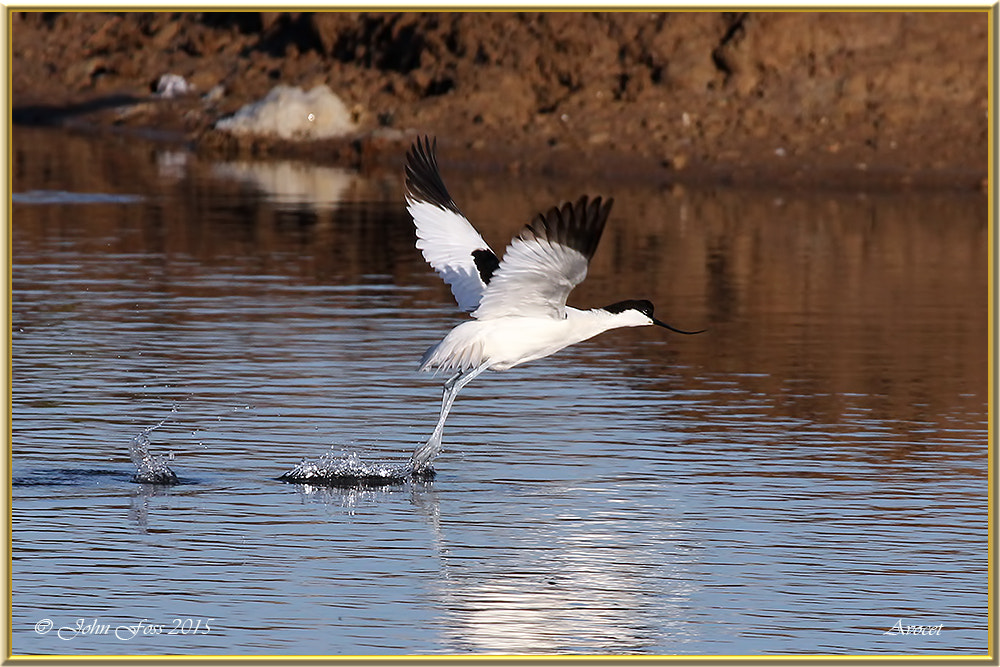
799,479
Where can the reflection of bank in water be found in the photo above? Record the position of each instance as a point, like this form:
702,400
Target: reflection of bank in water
291,184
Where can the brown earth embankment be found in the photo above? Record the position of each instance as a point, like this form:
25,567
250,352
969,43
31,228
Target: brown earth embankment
810,98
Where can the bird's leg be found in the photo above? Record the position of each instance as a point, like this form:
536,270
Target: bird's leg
425,453
450,382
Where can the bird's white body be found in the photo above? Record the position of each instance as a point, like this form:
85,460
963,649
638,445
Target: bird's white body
510,340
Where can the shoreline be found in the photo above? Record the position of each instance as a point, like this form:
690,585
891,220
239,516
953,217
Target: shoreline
373,153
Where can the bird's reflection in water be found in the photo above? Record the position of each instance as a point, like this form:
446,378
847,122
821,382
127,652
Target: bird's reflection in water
573,586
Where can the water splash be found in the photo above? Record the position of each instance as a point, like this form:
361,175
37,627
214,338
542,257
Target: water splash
347,470
150,469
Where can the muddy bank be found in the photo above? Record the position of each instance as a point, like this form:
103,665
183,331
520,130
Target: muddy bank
833,99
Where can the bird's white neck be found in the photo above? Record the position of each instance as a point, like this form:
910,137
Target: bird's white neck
599,320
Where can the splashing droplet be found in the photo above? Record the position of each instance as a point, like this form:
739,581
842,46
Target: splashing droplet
150,469
346,470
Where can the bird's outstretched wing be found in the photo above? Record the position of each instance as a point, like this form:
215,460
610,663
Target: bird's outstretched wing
546,261
447,240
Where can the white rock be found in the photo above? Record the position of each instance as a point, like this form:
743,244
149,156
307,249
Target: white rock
172,85
290,113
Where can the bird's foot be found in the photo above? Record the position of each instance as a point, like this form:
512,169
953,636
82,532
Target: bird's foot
425,474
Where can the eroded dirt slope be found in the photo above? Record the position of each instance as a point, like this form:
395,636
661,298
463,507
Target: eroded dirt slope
831,98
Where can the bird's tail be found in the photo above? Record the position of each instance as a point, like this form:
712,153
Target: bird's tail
446,356
426,361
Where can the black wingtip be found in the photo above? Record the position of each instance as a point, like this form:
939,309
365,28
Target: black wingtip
576,225
423,178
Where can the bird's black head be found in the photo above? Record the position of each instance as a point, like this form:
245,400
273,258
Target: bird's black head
646,308
642,305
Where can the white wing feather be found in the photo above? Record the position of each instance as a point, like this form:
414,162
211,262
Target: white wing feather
447,240
444,236
545,262
533,280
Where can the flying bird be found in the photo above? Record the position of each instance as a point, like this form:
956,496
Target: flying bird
518,305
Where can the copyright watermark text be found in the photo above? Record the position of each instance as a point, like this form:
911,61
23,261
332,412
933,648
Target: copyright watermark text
84,627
